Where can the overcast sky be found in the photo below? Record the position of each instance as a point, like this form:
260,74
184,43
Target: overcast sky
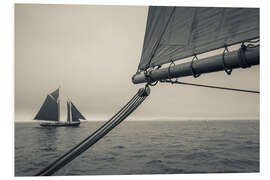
92,53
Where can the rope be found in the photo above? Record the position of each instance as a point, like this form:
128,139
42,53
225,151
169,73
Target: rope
133,104
208,86
242,57
252,43
226,69
241,52
149,80
169,69
195,75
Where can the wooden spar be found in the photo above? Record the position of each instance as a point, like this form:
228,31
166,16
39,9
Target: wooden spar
206,65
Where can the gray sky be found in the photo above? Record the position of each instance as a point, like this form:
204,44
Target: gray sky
92,53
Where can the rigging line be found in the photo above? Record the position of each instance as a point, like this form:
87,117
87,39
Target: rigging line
100,128
209,86
133,104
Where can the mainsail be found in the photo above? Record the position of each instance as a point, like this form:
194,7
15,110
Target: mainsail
75,113
50,109
174,33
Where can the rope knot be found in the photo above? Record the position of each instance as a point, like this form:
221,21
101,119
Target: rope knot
195,75
148,79
226,69
242,59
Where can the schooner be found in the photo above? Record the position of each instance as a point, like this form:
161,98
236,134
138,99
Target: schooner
50,111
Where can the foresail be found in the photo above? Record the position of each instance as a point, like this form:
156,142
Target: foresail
173,33
75,113
48,111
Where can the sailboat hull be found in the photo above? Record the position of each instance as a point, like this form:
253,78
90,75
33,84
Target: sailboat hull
60,124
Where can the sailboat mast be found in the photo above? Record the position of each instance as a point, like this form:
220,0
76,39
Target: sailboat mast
59,105
70,110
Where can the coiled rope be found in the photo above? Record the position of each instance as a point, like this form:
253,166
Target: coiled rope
133,104
207,86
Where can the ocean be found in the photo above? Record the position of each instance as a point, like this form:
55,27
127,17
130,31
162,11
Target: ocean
143,147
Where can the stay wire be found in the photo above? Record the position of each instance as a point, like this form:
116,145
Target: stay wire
209,86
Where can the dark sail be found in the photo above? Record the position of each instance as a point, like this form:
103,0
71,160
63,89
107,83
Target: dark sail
75,113
48,111
68,111
174,33
55,94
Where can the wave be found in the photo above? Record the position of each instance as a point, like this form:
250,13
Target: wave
153,162
173,156
105,158
199,155
119,147
138,155
240,163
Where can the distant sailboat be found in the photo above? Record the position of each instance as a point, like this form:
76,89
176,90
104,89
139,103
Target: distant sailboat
50,111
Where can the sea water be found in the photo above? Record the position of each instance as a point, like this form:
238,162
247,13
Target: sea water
146,147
